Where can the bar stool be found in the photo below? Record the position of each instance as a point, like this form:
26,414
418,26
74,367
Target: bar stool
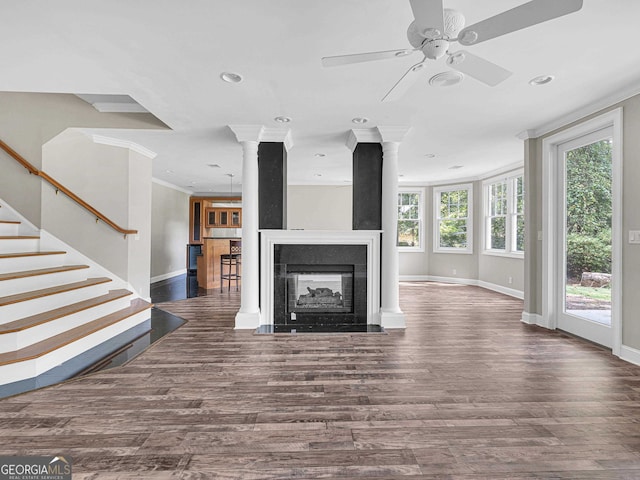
232,261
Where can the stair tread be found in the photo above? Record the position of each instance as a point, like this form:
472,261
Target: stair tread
40,271
58,341
30,254
10,222
19,237
39,319
23,297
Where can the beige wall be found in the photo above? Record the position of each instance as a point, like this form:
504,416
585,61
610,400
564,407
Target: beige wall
630,219
319,207
169,230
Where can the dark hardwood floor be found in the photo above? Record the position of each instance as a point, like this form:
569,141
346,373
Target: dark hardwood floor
466,392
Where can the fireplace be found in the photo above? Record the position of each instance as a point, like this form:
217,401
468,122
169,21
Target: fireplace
320,286
320,281
313,289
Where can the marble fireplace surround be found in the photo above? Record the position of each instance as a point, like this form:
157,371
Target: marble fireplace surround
270,238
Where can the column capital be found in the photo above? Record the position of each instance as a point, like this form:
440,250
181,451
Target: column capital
393,133
247,133
362,135
259,133
277,135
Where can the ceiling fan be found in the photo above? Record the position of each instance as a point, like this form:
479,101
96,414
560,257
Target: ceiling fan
436,28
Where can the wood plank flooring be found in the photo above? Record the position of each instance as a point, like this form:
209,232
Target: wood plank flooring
466,392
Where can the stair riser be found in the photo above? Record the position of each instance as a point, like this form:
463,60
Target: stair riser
15,311
17,340
35,262
19,245
8,229
31,368
22,285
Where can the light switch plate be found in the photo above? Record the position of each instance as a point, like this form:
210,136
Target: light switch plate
634,236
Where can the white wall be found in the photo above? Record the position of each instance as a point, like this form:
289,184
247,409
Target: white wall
29,120
169,231
117,182
319,207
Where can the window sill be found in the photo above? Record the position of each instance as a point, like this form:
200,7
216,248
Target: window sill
410,249
454,251
495,253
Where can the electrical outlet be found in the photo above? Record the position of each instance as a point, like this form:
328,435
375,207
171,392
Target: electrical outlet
455,271
510,280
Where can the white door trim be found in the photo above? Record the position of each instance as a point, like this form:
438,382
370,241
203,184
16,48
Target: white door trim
550,188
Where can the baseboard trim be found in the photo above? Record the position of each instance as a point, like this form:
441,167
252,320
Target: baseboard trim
464,281
166,276
630,354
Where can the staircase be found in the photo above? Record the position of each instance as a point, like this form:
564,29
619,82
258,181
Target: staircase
52,311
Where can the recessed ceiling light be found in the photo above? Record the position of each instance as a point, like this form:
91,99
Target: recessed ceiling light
317,174
213,165
282,119
455,167
193,183
360,120
169,171
446,79
319,155
541,80
429,155
400,175
231,77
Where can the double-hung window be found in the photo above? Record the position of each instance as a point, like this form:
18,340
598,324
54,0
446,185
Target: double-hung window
410,220
504,215
453,214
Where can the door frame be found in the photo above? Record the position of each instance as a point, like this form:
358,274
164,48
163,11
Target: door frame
550,221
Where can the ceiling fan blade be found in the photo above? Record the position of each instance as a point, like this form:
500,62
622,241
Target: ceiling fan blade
406,82
428,14
478,68
523,16
364,57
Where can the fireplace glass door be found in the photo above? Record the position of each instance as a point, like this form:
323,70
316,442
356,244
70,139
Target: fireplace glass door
319,292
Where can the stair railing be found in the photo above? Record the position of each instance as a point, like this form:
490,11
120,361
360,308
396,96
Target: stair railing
59,187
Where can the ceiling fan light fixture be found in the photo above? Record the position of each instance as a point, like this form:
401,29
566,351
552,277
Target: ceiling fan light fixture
446,79
231,77
541,80
456,58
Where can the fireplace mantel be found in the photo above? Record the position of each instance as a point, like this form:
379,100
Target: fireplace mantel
271,238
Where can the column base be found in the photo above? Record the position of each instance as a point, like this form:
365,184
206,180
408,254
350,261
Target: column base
392,320
247,320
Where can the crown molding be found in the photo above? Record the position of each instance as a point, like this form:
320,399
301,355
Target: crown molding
170,185
106,107
590,109
526,134
116,142
393,133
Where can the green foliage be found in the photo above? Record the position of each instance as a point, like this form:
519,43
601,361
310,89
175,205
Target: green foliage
589,209
589,188
588,253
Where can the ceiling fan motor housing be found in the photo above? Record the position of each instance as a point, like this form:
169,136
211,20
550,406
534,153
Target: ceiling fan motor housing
435,49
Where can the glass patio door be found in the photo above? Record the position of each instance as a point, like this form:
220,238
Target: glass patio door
584,242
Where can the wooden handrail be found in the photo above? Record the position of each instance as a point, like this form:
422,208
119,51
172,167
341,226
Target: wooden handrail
59,187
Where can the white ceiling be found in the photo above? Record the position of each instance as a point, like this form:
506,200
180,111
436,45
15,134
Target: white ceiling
168,55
